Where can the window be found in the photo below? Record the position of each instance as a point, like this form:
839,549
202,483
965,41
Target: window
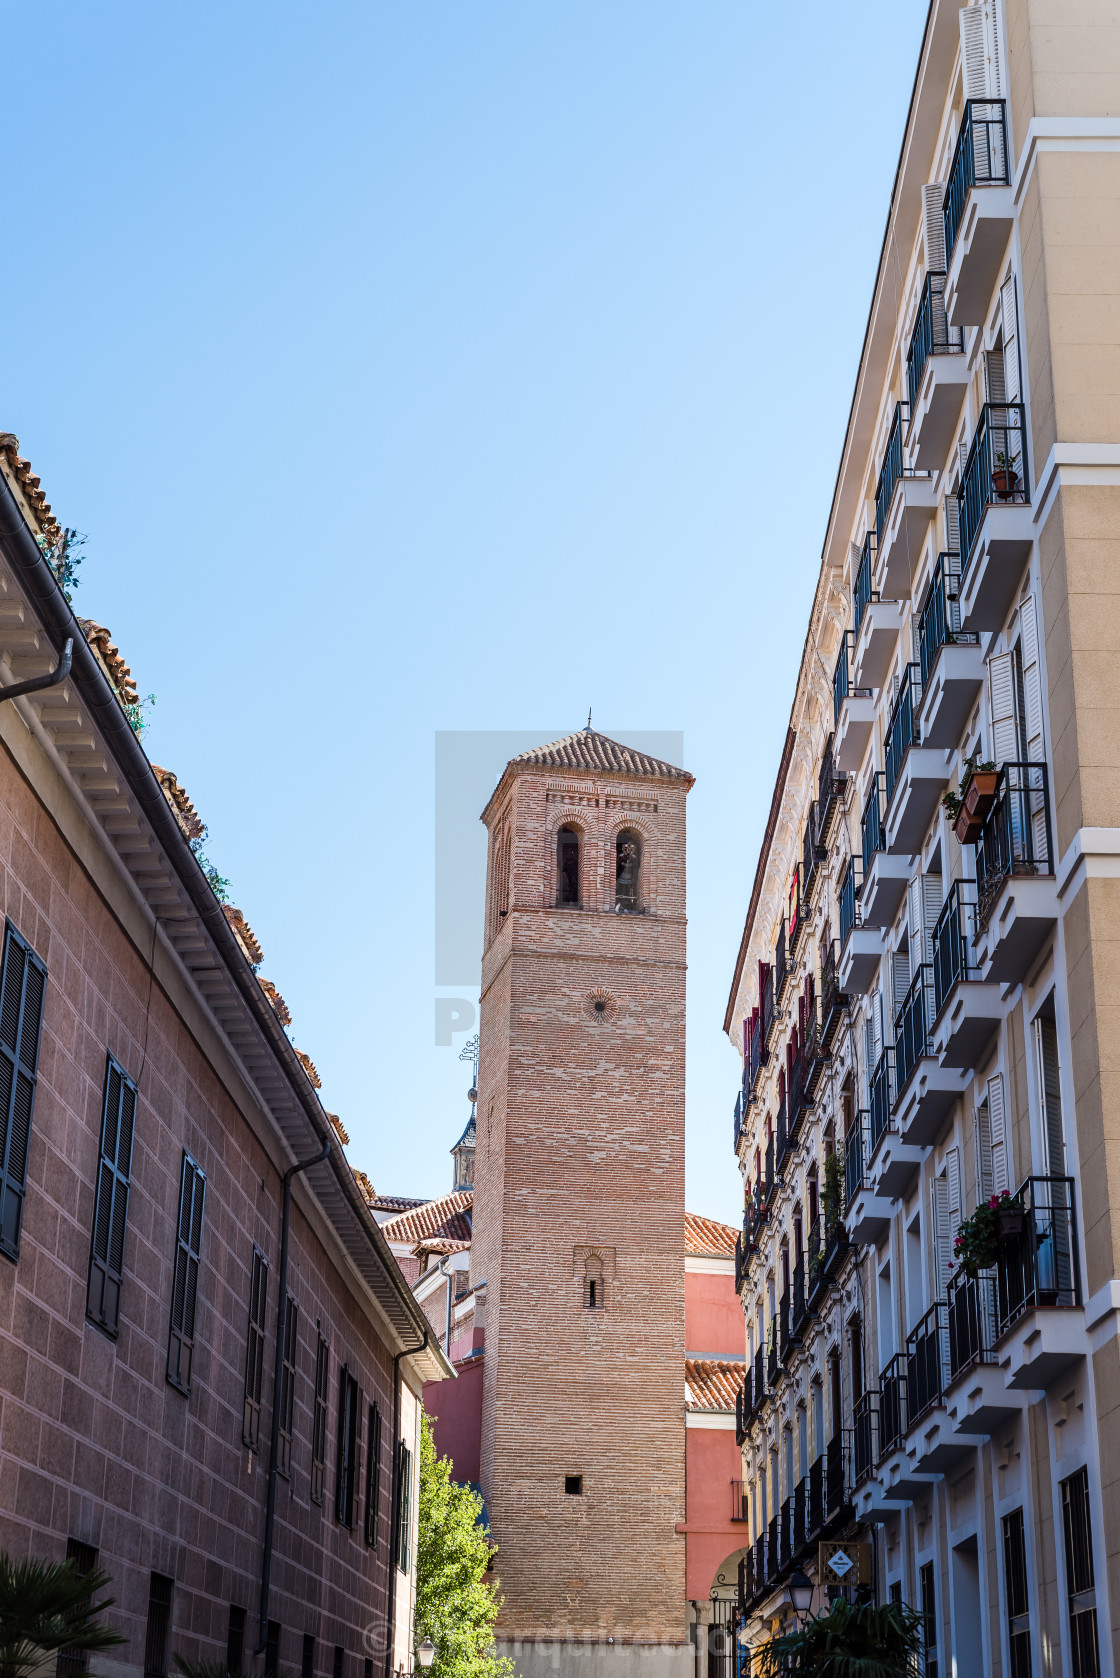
235,1640
1080,1590
567,866
159,1627
272,1649
929,1613
23,984
573,1485
254,1352
627,871
1018,1600
110,1213
404,1506
83,1560
319,1419
348,1402
307,1660
287,1388
339,1659
594,1297
184,1288
373,1476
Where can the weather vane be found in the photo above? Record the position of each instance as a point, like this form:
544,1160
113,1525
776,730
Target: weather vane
469,1052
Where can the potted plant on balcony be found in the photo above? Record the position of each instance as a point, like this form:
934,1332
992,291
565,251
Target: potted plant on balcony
1005,478
977,1242
1009,1216
968,808
832,1195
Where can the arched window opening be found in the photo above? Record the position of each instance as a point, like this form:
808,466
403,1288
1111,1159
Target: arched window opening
627,872
593,1294
567,867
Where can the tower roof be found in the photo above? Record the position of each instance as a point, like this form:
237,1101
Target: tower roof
469,1136
592,751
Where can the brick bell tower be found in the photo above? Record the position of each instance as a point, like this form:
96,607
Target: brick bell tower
579,1208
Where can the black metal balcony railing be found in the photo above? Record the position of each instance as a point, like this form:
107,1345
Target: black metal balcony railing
1016,835
783,969
854,1151
772,1359
892,469
759,1053
995,472
849,898
768,1177
742,1410
932,334
940,622
785,1340
798,1098
911,1027
902,729
785,1527
833,999
836,1483
813,854
927,1363
740,1510
872,838
1039,1265
767,1012
979,160
773,1553
798,1311
814,1514
892,1405
952,941
758,1385
800,1515
781,1136
842,674
831,786
738,1118
864,1418
970,1306
881,1092
863,594
814,1055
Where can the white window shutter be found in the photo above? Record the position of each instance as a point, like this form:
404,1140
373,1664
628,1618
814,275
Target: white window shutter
994,389
1032,678
900,973
933,226
1011,384
984,1165
974,53
931,906
991,47
914,918
942,1246
952,525
1005,721
997,1131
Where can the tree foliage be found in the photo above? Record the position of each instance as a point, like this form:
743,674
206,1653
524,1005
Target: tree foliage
853,1640
47,1608
456,1605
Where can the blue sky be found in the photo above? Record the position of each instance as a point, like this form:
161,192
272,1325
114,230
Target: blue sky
446,366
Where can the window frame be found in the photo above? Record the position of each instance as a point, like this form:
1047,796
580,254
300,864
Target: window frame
349,1410
110,1205
185,1271
287,1401
255,1337
319,1417
373,1476
19,1066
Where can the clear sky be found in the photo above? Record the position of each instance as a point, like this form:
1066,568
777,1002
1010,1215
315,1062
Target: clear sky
440,365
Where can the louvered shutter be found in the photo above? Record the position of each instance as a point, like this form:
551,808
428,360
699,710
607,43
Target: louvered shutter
942,1246
1002,699
900,975
933,227
979,55
1011,376
1032,722
110,1215
373,1476
914,921
254,1351
997,1126
952,524
984,1164
23,983
184,1289
953,1179
1051,1097
994,389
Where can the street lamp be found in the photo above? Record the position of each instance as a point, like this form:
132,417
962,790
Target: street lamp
800,1593
426,1653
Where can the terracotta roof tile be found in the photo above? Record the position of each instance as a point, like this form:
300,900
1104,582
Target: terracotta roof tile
706,1236
588,750
309,1067
242,931
339,1129
440,1244
447,1216
280,1007
366,1187
29,484
391,1202
110,660
190,822
711,1384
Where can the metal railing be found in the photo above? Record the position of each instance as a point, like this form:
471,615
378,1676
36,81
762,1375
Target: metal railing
738,1116
940,622
902,729
773,1552
849,898
932,334
759,1053
814,1514
813,854
872,837
743,1409
842,674
864,1419
772,1356
952,941
927,1363
892,1405
1039,1265
781,1136
863,593
892,469
798,1099
800,1515
785,1339
767,1186
766,1011
831,786
785,1530
881,1093
970,1305
836,1483
911,1027
1015,838
854,1157
833,1000
995,472
979,160
798,1311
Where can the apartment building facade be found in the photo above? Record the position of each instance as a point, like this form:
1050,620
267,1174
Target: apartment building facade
925,995
210,1364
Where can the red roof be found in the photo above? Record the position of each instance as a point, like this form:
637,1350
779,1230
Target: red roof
704,1235
449,1216
711,1384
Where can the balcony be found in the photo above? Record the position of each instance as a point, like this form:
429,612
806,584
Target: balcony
863,593
871,824
932,1446
785,1534
950,659
904,505
861,947
1039,1315
799,1315
967,1009
867,1214
767,1011
876,641
936,378
834,1001
1016,892
996,528
881,1097
787,1345
892,1405
798,1099
759,1053
740,1501
773,1552
926,1089
865,1420
976,1395
978,211
814,1503
742,1411
854,712
757,1385
781,1137
915,775
832,784
801,1517
827,1245
772,1359
813,856
737,1128
783,968
837,1486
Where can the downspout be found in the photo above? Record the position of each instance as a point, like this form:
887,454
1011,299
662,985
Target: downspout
51,680
278,1371
391,1628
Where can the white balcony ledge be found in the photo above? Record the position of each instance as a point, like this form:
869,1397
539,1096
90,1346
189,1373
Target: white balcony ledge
1019,922
954,682
979,1401
884,887
895,1165
1043,1344
913,505
989,214
899,1481
934,416
859,960
1001,550
853,731
933,1447
879,630
967,1023
868,1218
873,1498
922,779
927,1101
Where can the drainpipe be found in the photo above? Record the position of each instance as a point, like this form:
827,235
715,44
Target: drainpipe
281,1327
393,1568
50,680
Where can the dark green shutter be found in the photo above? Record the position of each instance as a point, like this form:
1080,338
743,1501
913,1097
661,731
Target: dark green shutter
23,983
254,1352
184,1289
373,1476
110,1214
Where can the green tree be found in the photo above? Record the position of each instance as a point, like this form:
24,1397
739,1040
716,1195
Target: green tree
456,1606
853,1640
47,1608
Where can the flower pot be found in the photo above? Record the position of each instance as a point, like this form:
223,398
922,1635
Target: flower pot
980,792
1005,482
1009,1220
967,828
